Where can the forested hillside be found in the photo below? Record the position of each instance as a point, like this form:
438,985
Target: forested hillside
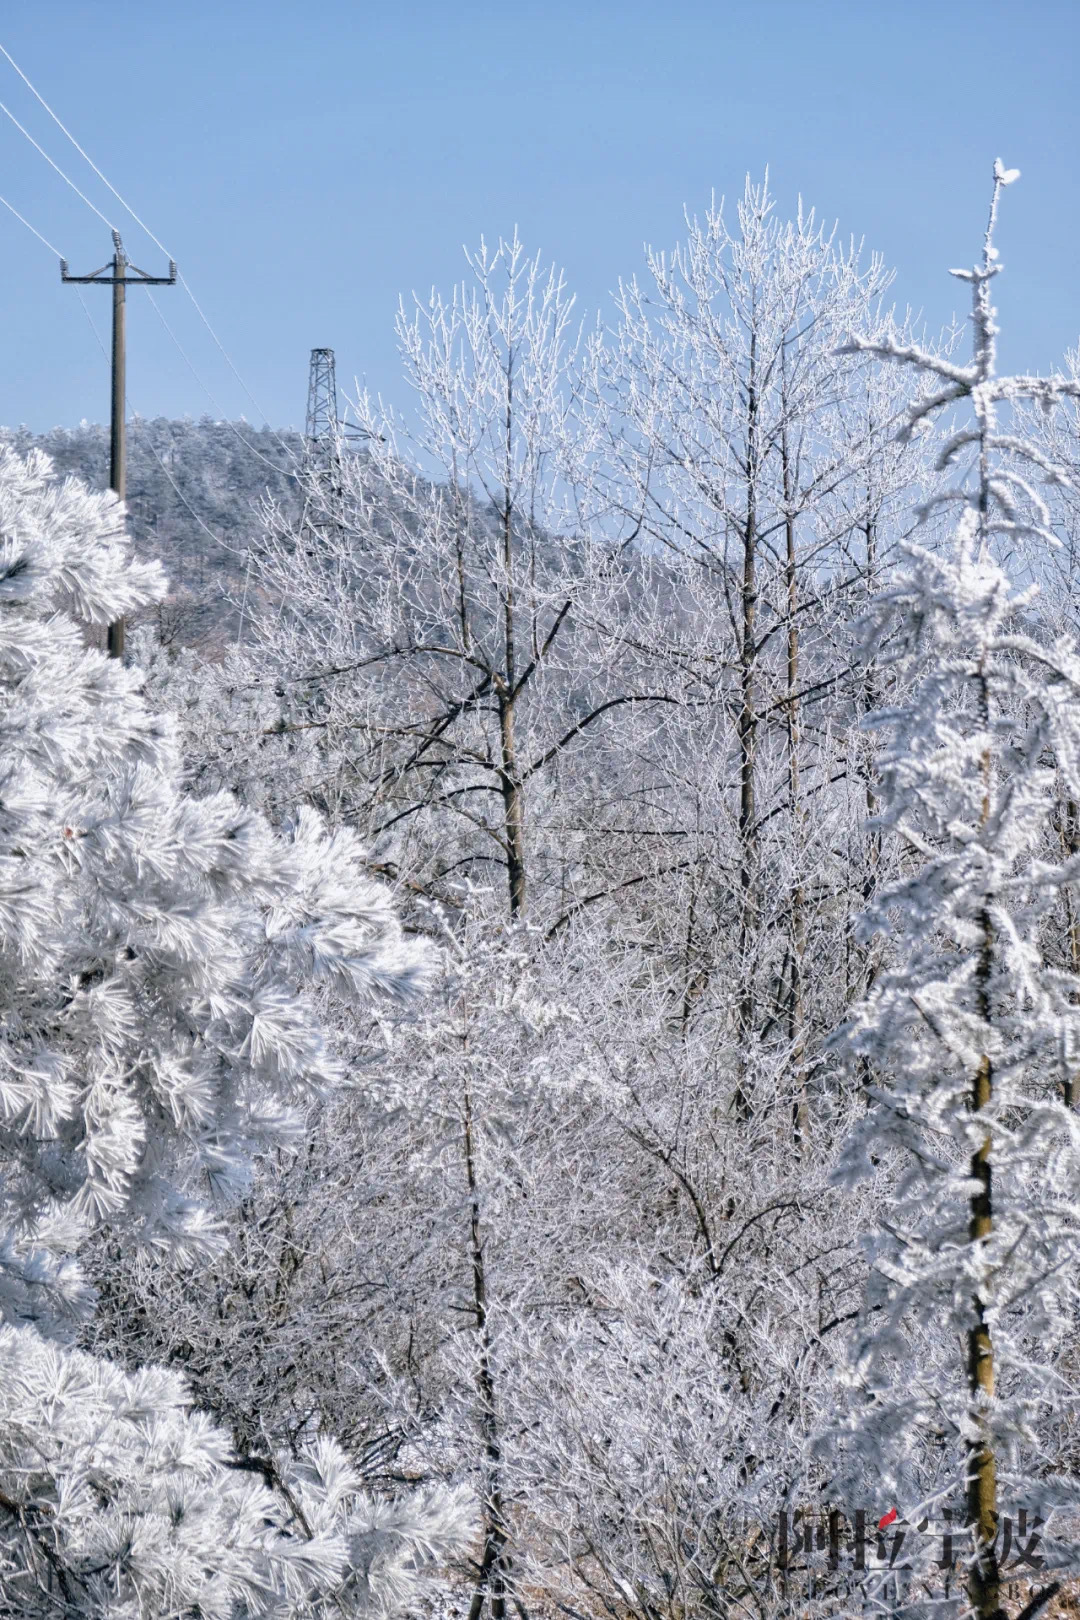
557,1046
194,494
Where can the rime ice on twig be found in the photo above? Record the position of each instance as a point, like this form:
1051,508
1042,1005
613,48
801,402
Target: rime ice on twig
979,383
155,1033
968,1042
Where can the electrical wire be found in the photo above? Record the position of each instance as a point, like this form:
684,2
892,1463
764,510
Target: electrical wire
85,155
66,178
93,326
30,227
228,362
142,226
281,471
216,538
218,541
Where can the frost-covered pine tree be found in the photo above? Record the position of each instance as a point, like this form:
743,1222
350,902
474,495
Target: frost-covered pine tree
154,954
970,1037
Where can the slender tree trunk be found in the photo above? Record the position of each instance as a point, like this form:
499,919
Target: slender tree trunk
747,734
984,1587
797,902
1070,831
865,963
871,699
491,1580
861,980
509,776
689,975
513,809
462,521
984,1584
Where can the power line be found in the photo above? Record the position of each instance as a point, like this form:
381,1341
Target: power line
218,541
216,538
66,178
117,271
28,225
85,155
119,274
93,327
229,363
142,226
231,425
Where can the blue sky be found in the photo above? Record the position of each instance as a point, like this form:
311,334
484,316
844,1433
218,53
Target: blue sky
308,163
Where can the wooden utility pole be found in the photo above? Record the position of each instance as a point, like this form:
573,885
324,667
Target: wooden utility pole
117,274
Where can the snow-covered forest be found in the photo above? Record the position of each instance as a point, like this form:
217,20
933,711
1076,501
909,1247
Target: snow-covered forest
542,998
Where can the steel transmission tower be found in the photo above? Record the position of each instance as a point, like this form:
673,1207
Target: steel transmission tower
321,432
322,443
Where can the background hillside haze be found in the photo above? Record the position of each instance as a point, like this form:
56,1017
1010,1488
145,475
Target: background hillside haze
306,165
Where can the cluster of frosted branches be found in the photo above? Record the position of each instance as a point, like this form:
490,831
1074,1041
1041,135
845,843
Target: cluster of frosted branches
156,1030
587,627
578,650
121,1501
968,1040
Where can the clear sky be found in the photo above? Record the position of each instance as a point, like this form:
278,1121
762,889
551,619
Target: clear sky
306,163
